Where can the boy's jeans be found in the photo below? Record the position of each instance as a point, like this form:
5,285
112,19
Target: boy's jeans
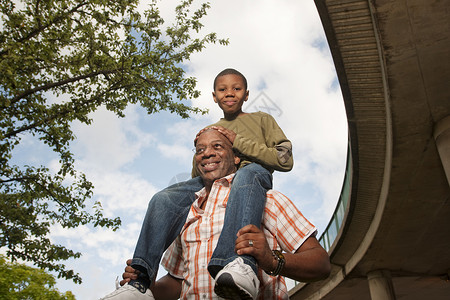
168,210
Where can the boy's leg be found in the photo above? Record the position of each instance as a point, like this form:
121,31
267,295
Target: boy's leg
165,217
245,206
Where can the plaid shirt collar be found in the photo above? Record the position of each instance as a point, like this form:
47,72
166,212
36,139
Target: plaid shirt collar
201,195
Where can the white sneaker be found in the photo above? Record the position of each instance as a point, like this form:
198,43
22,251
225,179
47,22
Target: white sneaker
129,292
237,281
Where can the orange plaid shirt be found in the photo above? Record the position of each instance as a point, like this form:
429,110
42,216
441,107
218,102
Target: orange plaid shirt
187,258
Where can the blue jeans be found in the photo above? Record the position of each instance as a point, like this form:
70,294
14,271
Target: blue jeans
245,206
166,214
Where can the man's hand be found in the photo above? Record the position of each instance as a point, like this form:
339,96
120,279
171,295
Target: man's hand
260,249
129,274
309,263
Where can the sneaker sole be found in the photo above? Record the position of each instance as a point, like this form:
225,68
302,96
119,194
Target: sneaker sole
225,287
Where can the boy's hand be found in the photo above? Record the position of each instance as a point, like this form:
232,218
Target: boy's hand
199,133
229,134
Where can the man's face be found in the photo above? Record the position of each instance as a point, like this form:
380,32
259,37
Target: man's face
230,93
214,156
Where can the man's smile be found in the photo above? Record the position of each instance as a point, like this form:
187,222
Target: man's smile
210,166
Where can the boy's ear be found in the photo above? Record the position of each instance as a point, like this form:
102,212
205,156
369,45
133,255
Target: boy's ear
214,97
246,95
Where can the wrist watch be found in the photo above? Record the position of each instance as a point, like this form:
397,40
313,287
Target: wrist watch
281,261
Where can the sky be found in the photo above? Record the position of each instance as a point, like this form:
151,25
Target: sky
281,48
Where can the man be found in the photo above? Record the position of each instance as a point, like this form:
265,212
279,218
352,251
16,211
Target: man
283,228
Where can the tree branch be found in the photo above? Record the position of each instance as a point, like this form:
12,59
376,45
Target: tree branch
40,28
66,110
59,83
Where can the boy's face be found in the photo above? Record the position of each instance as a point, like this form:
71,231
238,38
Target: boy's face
230,93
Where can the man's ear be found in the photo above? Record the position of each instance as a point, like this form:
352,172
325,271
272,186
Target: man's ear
214,97
237,160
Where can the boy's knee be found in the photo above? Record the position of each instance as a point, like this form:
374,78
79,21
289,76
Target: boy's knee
254,174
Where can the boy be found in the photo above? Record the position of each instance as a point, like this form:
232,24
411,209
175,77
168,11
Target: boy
259,141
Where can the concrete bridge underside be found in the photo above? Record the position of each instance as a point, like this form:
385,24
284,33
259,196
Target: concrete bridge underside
393,64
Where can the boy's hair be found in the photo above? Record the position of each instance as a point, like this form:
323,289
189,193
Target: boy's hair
230,71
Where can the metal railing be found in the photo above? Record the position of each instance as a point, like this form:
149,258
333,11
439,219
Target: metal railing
331,231
329,235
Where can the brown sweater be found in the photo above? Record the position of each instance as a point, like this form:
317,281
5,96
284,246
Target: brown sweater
259,139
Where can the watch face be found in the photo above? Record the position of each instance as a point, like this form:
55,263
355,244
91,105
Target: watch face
278,254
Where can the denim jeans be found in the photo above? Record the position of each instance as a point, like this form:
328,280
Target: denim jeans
245,205
168,210
166,214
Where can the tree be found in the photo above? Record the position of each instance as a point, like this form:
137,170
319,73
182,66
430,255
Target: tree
19,281
85,54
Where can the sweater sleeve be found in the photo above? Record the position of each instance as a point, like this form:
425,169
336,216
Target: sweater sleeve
275,152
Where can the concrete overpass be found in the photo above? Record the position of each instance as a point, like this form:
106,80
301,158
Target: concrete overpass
390,235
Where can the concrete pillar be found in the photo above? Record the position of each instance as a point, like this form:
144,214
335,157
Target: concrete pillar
380,285
442,138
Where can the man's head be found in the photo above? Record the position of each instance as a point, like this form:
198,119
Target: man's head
230,92
214,156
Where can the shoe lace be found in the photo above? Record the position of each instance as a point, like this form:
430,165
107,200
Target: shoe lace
240,266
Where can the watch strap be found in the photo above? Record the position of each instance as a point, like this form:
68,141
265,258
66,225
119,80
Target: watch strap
281,261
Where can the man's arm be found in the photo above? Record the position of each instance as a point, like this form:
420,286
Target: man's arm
309,263
274,151
167,288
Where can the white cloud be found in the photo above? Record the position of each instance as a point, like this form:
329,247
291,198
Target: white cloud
122,193
110,142
175,151
179,140
104,253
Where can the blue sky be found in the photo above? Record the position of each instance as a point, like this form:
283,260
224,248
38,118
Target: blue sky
281,48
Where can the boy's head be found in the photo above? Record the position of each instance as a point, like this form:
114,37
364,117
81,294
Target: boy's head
230,71
230,92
